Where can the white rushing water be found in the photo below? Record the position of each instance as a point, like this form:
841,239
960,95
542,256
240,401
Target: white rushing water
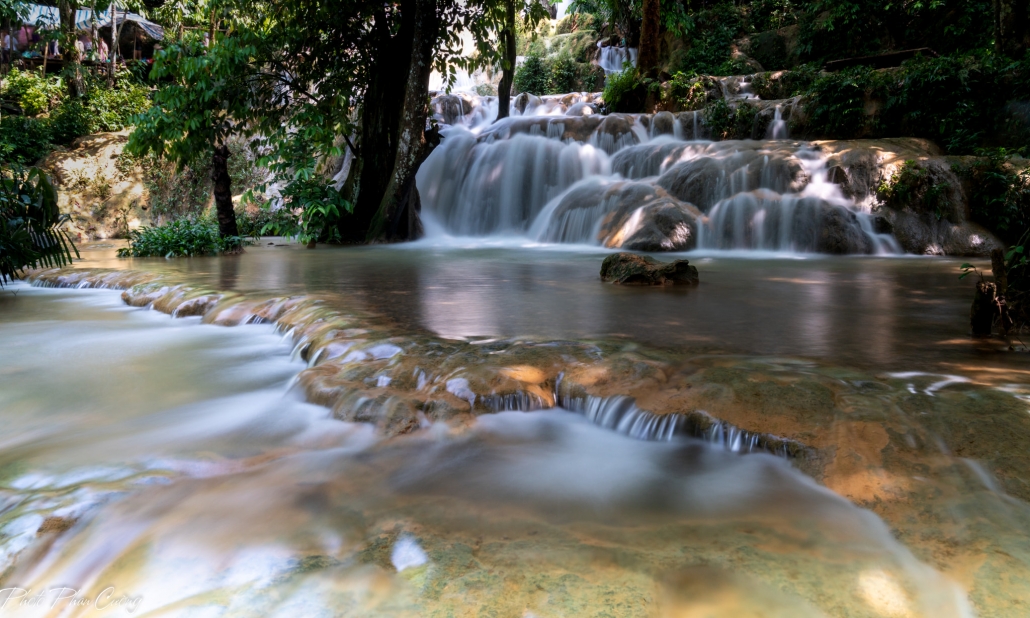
556,175
159,466
613,59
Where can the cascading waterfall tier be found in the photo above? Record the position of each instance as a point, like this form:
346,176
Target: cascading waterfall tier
558,172
613,59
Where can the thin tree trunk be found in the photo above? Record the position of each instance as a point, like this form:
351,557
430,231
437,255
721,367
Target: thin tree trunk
1011,27
112,54
647,58
398,215
507,42
222,189
69,11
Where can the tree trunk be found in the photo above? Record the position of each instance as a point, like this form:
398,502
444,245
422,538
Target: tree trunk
1011,27
398,215
222,189
647,58
507,43
381,111
68,11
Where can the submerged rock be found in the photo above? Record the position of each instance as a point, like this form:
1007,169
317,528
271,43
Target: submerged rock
632,269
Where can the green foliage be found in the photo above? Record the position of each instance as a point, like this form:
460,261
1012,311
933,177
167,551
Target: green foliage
785,84
173,191
203,106
30,224
25,140
186,237
563,75
101,109
622,91
838,102
533,76
725,121
575,22
914,187
32,92
833,29
688,92
579,45
258,222
1001,199
955,101
320,205
710,34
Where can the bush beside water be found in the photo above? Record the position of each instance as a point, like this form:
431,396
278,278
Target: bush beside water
186,237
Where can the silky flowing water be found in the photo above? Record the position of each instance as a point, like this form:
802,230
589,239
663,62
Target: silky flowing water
168,467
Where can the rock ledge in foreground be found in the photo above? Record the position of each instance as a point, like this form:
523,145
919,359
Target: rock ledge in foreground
632,269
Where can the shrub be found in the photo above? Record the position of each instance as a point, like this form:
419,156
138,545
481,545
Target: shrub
532,76
172,192
575,22
917,188
23,140
711,34
186,191
321,207
32,92
186,237
563,75
785,84
264,220
838,102
580,45
1001,199
30,224
623,91
688,92
718,117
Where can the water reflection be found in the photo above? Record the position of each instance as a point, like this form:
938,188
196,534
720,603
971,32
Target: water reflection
892,313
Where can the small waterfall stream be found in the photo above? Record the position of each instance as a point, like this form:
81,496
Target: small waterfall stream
613,59
638,181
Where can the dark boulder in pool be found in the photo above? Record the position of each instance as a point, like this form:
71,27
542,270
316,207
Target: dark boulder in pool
632,269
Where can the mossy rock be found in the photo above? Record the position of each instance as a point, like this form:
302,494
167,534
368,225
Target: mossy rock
632,269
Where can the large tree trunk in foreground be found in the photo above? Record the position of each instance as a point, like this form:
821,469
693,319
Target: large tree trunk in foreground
508,51
398,214
222,189
381,110
647,57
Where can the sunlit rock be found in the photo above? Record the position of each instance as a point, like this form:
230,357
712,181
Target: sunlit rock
623,215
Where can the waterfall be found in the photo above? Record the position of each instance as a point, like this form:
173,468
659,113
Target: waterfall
557,172
481,188
778,127
613,59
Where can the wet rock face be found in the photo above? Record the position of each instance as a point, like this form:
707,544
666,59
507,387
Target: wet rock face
923,234
451,107
633,269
